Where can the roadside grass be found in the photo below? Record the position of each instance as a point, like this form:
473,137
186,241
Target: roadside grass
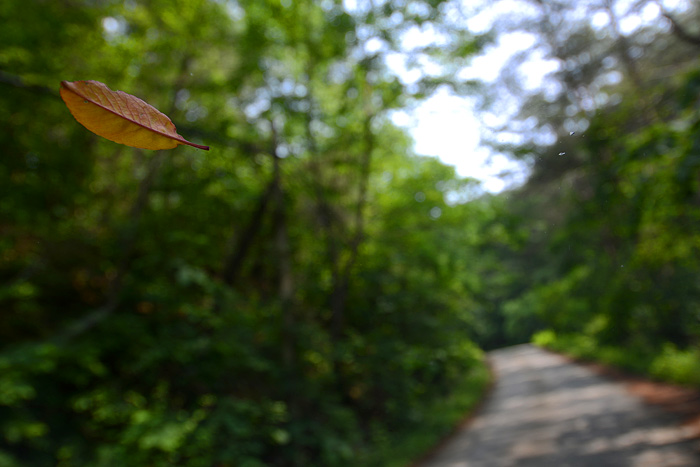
440,419
668,363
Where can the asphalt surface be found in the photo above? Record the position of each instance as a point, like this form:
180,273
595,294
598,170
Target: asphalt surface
546,411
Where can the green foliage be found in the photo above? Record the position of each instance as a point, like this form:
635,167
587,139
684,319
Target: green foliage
437,421
587,348
670,364
678,366
639,309
601,257
285,299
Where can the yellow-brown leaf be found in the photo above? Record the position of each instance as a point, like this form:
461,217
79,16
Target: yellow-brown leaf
120,117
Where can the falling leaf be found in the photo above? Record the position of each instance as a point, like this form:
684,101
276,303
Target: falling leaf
120,117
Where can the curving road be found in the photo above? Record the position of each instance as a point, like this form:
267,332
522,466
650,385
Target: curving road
546,411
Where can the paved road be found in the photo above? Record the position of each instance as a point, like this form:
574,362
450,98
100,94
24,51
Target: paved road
545,411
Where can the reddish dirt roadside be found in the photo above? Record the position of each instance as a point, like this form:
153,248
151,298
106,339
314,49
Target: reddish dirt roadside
682,401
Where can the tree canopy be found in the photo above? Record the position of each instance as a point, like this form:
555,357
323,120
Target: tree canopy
296,296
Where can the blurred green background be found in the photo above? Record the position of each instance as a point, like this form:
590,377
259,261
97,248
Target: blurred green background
304,293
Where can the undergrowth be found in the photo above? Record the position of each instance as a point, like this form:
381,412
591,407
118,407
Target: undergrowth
669,363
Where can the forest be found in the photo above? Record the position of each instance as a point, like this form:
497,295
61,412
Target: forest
311,291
